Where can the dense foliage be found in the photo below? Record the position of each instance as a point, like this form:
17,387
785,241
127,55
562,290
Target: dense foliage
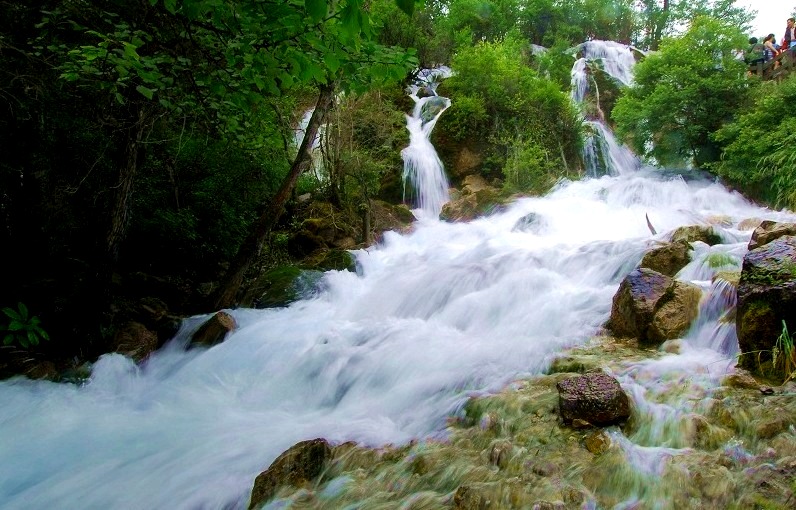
146,142
683,93
758,146
528,128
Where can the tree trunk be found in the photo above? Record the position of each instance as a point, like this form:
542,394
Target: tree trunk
225,296
120,214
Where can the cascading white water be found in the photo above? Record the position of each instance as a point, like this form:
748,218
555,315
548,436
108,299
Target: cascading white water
602,153
422,166
383,356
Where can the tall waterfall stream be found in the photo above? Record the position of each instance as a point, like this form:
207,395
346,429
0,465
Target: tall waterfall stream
392,353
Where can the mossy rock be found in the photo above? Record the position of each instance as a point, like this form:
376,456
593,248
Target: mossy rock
283,285
334,260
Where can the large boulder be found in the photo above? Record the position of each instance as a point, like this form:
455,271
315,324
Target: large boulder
668,259
769,230
766,297
299,465
476,198
653,307
594,397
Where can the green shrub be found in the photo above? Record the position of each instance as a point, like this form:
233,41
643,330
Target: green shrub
22,328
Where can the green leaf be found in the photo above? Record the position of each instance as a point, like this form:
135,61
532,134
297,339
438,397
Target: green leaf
32,338
15,326
332,62
408,6
11,313
144,91
171,5
316,9
8,340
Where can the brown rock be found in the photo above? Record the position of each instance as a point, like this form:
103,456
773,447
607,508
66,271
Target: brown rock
768,231
299,465
469,498
214,330
597,442
594,397
668,259
133,339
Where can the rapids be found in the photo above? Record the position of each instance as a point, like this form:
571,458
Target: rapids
379,356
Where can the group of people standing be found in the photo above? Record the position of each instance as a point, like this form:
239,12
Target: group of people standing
768,49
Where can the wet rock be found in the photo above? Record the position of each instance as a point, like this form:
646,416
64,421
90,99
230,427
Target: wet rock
693,233
297,466
531,222
672,346
468,497
433,107
572,364
768,231
772,426
767,390
597,442
716,485
281,286
668,259
476,199
595,397
500,454
214,330
653,307
741,379
547,505
579,424
766,297
134,340
749,223
544,468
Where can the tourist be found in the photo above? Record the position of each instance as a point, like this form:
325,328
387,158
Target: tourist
771,50
790,35
755,54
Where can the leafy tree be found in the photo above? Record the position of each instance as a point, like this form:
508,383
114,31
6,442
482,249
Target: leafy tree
684,93
499,103
758,147
664,18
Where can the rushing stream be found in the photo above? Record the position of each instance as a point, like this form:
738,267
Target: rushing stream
382,355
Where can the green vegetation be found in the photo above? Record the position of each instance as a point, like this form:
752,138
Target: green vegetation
783,356
758,145
154,142
684,93
22,328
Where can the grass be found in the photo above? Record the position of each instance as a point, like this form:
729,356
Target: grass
784,355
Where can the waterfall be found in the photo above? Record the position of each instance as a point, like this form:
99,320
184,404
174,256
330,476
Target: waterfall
602,153
422,167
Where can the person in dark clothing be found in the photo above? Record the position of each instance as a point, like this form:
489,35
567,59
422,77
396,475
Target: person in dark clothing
756,53
790,34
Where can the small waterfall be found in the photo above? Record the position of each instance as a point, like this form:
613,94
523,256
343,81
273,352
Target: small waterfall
422,167
602,153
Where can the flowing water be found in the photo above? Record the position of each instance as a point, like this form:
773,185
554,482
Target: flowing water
386,354
423,169
602,153
380,356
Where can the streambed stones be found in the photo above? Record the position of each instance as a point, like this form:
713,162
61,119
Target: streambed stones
595,397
